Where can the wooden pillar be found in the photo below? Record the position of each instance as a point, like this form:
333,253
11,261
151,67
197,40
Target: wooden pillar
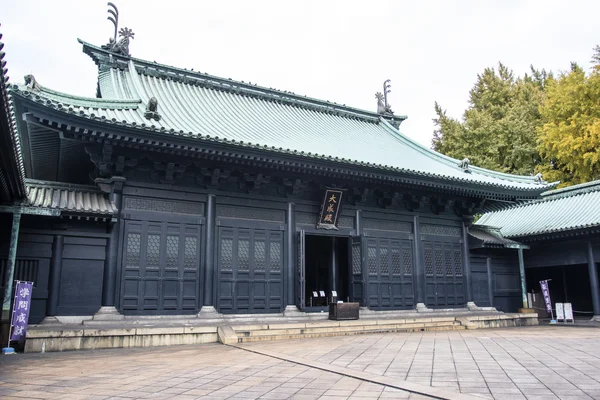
333,271
467,262
564,279
358,222
209,271
522,275
290,252
55,274
109,284
488,264
10,268
593,272
419,281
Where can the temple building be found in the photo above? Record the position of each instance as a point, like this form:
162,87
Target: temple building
176,192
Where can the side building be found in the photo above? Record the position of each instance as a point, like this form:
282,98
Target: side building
176,192
563,233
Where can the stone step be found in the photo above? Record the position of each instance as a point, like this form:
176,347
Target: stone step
335,324
284,336
346,328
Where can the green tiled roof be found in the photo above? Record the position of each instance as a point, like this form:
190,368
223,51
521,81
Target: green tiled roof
572,208
69,198
207,108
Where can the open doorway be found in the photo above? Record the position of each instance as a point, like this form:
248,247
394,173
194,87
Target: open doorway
567,284
327,271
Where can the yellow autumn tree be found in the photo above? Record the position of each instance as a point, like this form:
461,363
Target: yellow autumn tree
569,136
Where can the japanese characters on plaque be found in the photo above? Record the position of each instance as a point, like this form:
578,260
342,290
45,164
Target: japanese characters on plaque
330,210
21,307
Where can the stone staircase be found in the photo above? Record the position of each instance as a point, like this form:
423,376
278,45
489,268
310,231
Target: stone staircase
298,330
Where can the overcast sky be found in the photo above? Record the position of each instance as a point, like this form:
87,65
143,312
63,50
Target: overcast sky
340,51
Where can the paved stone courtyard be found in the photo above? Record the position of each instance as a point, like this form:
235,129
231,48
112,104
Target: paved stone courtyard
515,363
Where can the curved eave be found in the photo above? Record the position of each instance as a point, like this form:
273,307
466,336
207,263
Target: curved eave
562,233
12,173
177,141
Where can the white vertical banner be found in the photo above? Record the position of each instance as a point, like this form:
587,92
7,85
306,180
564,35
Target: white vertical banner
560,312
569,312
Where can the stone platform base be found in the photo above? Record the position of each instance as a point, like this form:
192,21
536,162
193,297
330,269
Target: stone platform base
152,332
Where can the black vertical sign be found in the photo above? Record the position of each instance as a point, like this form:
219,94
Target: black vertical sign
330,210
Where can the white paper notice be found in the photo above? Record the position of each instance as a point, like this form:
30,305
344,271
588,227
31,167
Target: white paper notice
569,312
560,312
334,293
315,294
322,293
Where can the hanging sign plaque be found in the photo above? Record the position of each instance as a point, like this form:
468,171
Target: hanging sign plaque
330,210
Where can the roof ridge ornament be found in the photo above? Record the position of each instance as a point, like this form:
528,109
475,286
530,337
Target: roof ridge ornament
31,83
152,109
122,46
537,178
383,107
464,164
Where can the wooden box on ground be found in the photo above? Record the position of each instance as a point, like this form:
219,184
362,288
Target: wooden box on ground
343,311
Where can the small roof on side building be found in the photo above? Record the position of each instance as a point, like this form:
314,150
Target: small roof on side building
562,211
483,236
69,199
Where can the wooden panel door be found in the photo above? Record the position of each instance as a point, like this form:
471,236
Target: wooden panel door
160,267
444,277
250,270
390,273
356,270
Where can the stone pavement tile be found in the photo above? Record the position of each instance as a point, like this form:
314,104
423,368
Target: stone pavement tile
174,390
158,396
536,392
569,397
17,398
338,392
279,394
34,394
395,395
197,392
541,397
244,396
595,394
530,385
504,392
445,385
415,396
477,390
132,395
588,387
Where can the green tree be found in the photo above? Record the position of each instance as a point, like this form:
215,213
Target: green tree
569,136
498,130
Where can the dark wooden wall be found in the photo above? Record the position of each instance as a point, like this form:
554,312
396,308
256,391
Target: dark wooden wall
496,280
81,266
